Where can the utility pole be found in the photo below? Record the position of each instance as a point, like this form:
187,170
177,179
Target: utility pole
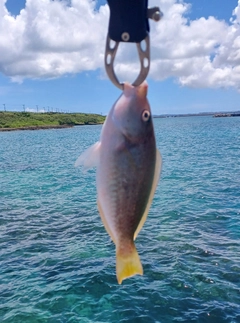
4,105
37,107
24,107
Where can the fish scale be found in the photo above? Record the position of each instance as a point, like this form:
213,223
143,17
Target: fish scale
128,168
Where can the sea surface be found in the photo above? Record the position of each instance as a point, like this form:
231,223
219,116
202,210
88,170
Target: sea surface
57,263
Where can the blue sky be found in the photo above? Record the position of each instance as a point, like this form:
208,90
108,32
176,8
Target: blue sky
194,67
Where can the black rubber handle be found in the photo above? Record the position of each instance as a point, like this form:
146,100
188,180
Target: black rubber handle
128,20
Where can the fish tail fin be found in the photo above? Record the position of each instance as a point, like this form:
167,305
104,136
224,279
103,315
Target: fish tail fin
127,263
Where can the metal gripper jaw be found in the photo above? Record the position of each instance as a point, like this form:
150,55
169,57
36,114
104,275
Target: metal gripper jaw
129,23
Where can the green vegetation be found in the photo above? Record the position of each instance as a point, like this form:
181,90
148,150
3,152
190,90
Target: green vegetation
29,119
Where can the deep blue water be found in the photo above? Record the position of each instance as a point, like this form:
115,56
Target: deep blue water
57,263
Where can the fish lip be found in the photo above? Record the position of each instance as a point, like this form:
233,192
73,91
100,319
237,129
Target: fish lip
142,89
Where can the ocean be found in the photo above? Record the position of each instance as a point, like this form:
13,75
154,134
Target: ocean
57,263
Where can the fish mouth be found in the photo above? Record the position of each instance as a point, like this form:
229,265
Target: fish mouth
140,91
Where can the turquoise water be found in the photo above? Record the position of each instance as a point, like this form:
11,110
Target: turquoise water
57,263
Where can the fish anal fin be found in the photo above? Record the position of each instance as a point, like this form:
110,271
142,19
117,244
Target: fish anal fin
158,167
90,157
127,264
105,221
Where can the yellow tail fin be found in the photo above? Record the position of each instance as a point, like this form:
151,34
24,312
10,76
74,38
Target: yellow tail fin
127,264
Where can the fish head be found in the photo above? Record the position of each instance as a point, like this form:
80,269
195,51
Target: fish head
132,113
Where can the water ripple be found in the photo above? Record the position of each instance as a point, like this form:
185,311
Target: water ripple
58,263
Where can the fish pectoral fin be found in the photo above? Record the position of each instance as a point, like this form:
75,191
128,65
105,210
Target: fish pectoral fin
105,221
90,157
127,264
158,168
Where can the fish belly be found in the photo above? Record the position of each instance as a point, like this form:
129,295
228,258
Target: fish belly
124,181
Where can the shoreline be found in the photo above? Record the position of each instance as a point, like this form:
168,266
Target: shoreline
13,121
63,126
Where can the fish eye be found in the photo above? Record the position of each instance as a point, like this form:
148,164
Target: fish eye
146,115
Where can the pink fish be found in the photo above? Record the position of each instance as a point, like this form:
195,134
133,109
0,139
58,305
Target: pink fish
128,169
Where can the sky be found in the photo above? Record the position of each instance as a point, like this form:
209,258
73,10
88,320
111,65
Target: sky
52,56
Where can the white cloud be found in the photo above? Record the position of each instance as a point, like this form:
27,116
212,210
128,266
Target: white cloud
51,38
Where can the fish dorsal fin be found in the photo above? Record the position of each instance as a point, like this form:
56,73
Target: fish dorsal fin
105,221
90,157
158,168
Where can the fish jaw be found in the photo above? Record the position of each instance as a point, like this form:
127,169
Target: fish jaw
140,91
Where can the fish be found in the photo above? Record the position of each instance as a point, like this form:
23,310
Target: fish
128,166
